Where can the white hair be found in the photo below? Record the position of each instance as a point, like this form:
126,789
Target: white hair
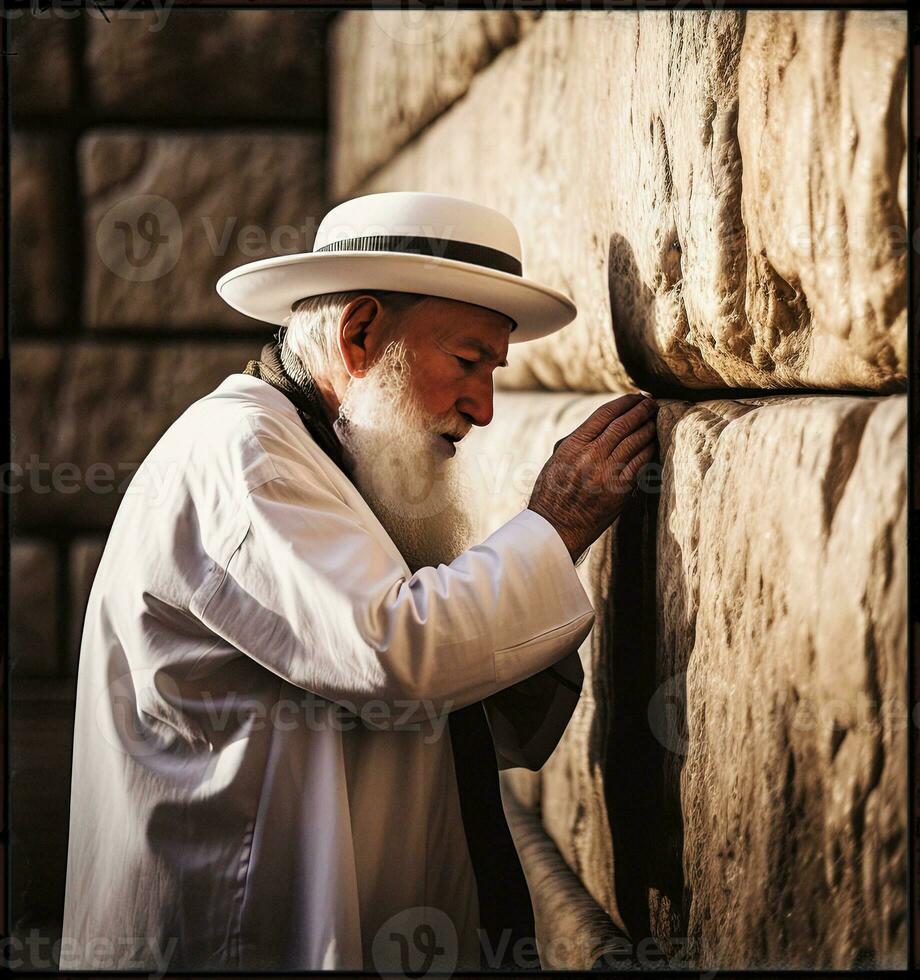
310,332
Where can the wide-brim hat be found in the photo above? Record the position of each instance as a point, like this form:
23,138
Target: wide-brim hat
432,244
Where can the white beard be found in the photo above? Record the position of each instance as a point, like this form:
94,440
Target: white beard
400,466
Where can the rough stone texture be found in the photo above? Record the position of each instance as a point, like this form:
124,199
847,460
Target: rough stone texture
743,719
85,415
34,617
822,124
42,69
621,131
792,557
41,279
237,63
394,71
209,202
85,553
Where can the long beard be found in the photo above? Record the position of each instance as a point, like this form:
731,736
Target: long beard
419,494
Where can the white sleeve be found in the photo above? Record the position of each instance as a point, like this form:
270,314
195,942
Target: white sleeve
313,595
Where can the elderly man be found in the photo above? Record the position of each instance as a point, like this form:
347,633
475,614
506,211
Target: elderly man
300,673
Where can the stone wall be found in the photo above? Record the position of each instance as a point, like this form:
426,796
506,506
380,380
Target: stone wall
149,154
724,195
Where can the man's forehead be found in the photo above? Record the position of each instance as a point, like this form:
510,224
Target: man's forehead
483,347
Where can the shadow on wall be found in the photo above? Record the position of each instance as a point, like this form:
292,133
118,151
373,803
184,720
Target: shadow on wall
640,723
632,307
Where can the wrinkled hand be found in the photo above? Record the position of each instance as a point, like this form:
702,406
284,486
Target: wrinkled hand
585,483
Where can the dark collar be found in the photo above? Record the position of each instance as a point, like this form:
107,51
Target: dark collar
306,398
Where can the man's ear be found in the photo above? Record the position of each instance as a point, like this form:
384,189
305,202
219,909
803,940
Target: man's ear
359,328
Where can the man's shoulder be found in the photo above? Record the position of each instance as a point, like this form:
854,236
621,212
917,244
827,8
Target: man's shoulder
248,430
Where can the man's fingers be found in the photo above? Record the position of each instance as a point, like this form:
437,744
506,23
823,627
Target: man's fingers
636,441
621,427
642,457
625,476
601,418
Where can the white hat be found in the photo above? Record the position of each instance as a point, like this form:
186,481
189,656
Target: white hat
411,242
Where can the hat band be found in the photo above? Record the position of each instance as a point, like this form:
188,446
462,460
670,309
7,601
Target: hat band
444,248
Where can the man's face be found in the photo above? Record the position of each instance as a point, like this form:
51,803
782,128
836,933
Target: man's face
456,349
430,375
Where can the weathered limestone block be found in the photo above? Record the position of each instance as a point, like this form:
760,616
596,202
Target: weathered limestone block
822,124
42,68
630,194
85,415
789,567
41,280
744,713
34,616
393,71
149,63
167,214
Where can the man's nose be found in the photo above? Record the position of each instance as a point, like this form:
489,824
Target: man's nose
476,403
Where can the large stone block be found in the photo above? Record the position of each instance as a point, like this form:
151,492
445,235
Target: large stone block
786,612
43,46
85,415
393,71
822,124
34,608
612,140
42,281
207,63
743,717
166,214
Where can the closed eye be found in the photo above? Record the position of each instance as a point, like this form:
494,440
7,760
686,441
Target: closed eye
465,361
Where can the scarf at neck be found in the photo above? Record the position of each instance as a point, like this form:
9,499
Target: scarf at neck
305,396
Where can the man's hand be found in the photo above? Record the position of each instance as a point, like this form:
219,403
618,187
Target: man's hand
584,484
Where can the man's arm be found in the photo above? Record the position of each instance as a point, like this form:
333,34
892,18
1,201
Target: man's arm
312,594
528,719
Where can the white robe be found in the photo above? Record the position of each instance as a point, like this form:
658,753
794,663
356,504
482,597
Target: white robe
262,768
